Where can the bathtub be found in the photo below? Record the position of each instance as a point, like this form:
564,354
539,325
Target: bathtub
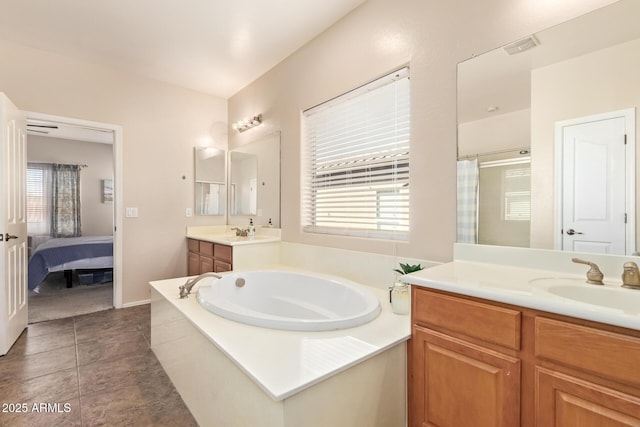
289,300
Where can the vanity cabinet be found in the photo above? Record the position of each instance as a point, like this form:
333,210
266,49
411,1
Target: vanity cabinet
585,375
463,366
204,257
481,363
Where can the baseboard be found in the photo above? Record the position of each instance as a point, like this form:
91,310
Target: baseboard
135,303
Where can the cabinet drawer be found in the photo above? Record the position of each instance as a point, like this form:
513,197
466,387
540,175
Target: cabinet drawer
222,253
485,322
206,248
193,245
606,354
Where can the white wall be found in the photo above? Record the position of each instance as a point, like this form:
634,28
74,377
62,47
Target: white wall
161,125
97,217
432,36
501,132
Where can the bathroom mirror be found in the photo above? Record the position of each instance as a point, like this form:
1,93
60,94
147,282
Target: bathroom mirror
210,188
244,183
524,116
254,182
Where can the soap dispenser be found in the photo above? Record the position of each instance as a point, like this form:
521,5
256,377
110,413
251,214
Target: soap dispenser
252,229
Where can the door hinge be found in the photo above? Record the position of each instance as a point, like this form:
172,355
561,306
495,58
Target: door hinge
625,139
625,218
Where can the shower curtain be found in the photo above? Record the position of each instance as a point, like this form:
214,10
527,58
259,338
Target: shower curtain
467,201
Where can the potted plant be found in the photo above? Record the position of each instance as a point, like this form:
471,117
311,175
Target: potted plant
408,268
399,292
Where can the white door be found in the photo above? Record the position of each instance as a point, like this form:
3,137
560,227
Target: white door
13,244
594,184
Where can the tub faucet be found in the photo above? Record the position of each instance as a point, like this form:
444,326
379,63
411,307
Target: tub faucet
241,232
185,289
630,276
594,275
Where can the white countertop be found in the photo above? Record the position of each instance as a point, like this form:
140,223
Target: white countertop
526,287
224,235
283,363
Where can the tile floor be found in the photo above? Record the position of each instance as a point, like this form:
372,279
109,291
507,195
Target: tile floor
90,370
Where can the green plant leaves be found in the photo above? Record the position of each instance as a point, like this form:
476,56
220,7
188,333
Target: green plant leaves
408,268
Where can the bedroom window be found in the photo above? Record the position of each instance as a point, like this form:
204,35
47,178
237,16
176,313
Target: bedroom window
356,161
38,199
53,200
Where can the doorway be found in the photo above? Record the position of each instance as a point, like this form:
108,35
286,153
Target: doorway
595,183
110,189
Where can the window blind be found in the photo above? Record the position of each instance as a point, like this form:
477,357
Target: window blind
516,193
356,175
38,198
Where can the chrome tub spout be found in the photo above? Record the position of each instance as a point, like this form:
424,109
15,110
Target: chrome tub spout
185,289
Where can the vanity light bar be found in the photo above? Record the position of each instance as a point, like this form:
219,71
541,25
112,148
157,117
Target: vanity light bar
248,123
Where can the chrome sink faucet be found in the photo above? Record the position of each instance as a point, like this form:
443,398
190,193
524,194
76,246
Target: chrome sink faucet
594,275
630,276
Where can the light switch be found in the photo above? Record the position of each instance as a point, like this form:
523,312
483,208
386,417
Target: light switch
131,212
188,212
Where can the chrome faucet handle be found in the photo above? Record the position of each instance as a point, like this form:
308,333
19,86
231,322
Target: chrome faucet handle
594,275
630,276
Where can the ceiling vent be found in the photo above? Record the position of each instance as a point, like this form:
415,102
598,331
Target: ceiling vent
521,45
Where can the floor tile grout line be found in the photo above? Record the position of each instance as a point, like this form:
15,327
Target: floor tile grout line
75,338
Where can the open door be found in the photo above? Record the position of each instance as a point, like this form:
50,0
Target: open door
13,231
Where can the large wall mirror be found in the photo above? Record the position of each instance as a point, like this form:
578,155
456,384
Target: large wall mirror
542,126
254,182
210,187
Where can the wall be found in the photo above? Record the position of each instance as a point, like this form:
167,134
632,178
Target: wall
590,84
161,125
502,132
432,36
97,217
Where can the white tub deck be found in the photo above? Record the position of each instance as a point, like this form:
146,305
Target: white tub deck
361,366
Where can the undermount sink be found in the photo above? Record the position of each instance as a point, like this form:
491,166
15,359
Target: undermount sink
610,296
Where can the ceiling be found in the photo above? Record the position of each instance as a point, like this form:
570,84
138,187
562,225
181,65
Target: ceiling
56,129
212,46
496,79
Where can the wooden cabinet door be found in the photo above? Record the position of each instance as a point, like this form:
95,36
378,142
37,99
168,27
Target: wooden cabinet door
206,264
193,268
455,383
566,401
220,266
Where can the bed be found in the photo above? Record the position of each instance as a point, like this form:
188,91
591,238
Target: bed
68,254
